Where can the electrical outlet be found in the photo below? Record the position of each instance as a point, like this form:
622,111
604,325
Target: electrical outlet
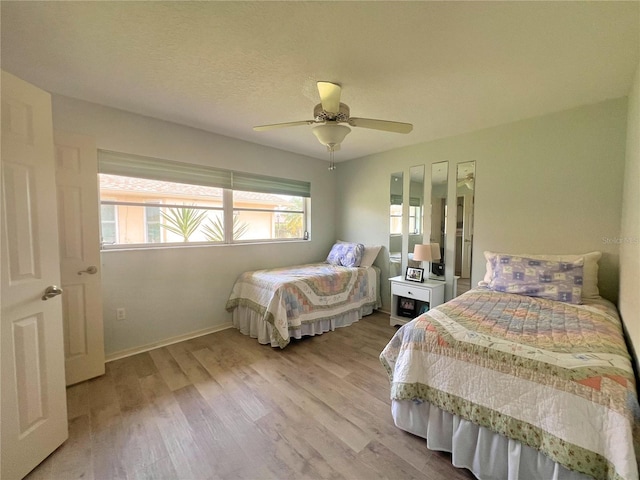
121,313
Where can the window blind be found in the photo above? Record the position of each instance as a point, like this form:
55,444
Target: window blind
396,199
129,165
259,183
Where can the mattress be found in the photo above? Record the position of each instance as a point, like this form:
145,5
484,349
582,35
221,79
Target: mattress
552,376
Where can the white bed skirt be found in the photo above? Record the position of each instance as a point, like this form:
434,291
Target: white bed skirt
488,455
251,323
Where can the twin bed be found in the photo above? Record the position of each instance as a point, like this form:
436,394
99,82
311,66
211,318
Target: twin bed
534,384
278,304
525,377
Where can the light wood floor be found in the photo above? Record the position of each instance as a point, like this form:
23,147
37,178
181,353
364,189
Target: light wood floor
223,406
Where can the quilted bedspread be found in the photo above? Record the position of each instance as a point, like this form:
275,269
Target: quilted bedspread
290,296
551,375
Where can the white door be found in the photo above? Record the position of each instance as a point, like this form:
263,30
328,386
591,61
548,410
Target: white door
33,398
79,230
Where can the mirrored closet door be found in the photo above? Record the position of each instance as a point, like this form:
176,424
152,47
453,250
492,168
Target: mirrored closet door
465,188
439,187
395,224
416,209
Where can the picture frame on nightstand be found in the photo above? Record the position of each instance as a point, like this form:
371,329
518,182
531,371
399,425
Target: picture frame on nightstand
414,274
406,307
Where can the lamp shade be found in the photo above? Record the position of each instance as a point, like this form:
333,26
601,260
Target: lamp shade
426,252
435,251
331,134
422,253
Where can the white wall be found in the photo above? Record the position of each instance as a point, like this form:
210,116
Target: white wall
629,301
551,184
547,184
170,292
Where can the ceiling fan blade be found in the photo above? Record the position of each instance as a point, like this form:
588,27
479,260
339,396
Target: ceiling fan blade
330,96
386,125
262,128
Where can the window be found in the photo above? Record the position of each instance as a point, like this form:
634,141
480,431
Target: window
108,224
415,220
261,216
150,201
152,224
395,218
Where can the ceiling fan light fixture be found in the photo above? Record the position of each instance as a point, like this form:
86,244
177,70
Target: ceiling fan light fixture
331,134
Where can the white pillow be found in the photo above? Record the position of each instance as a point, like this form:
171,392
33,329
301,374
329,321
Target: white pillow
590,269
370,254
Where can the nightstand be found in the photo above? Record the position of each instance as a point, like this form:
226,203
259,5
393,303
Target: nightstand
408,298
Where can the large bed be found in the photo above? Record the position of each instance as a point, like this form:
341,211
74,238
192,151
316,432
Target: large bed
278,304
519,386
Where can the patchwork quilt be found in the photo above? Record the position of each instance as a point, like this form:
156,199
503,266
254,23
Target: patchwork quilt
291,296
552,375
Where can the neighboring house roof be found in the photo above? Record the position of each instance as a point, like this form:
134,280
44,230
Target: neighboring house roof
115,183
142,185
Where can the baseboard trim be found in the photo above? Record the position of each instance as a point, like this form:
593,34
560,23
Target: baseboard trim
163,343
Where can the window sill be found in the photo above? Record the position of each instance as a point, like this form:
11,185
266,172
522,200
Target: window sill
173,246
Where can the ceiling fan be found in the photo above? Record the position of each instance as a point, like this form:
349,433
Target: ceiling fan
330,113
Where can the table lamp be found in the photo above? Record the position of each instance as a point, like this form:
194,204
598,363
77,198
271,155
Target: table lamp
426,252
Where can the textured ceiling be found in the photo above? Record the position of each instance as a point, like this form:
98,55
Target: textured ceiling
446,67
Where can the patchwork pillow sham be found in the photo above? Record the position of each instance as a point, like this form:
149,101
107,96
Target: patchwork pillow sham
370,254
561,281
590,269
346,254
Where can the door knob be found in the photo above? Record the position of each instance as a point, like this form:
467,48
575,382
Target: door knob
51,291
91,270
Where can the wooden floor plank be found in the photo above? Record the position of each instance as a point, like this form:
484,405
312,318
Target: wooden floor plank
294,449
223,407
161,469
296,418
213,362
169,369
182,354
186,455
349,433
367,414
78,400
387,463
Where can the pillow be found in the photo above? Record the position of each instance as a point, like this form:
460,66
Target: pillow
346,254
370,254
561,281
590,269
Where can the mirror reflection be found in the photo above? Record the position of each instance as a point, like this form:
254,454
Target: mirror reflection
416,209
395,224
465,186
439,182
